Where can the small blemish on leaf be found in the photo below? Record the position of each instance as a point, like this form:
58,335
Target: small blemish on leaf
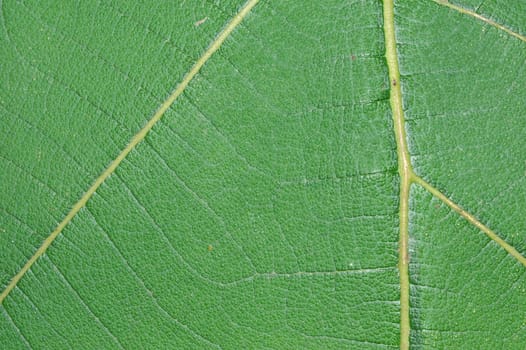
353,57
201,21
210,248
394,82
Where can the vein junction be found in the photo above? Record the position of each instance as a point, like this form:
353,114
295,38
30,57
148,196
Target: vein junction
405,170
407,175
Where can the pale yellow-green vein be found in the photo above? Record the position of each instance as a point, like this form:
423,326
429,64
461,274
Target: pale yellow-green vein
481,18
471,219
214,46
404,168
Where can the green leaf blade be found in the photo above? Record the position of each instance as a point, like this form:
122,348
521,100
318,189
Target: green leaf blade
467,292
263,209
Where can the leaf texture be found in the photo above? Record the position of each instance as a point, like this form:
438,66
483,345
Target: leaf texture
266,208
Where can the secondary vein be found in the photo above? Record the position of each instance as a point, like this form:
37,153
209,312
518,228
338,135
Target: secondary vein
481,18
471,219
214,46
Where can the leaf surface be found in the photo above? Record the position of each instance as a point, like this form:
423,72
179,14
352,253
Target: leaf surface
266,208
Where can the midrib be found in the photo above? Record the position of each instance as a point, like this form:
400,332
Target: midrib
404,168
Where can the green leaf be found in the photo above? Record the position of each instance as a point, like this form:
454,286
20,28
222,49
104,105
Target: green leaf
270,175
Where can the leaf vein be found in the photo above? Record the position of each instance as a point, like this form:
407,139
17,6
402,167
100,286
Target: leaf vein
480,17
471,219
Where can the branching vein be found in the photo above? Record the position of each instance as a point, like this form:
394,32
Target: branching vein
407,175
404,168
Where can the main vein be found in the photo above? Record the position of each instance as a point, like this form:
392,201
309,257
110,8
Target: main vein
214,46
404,168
